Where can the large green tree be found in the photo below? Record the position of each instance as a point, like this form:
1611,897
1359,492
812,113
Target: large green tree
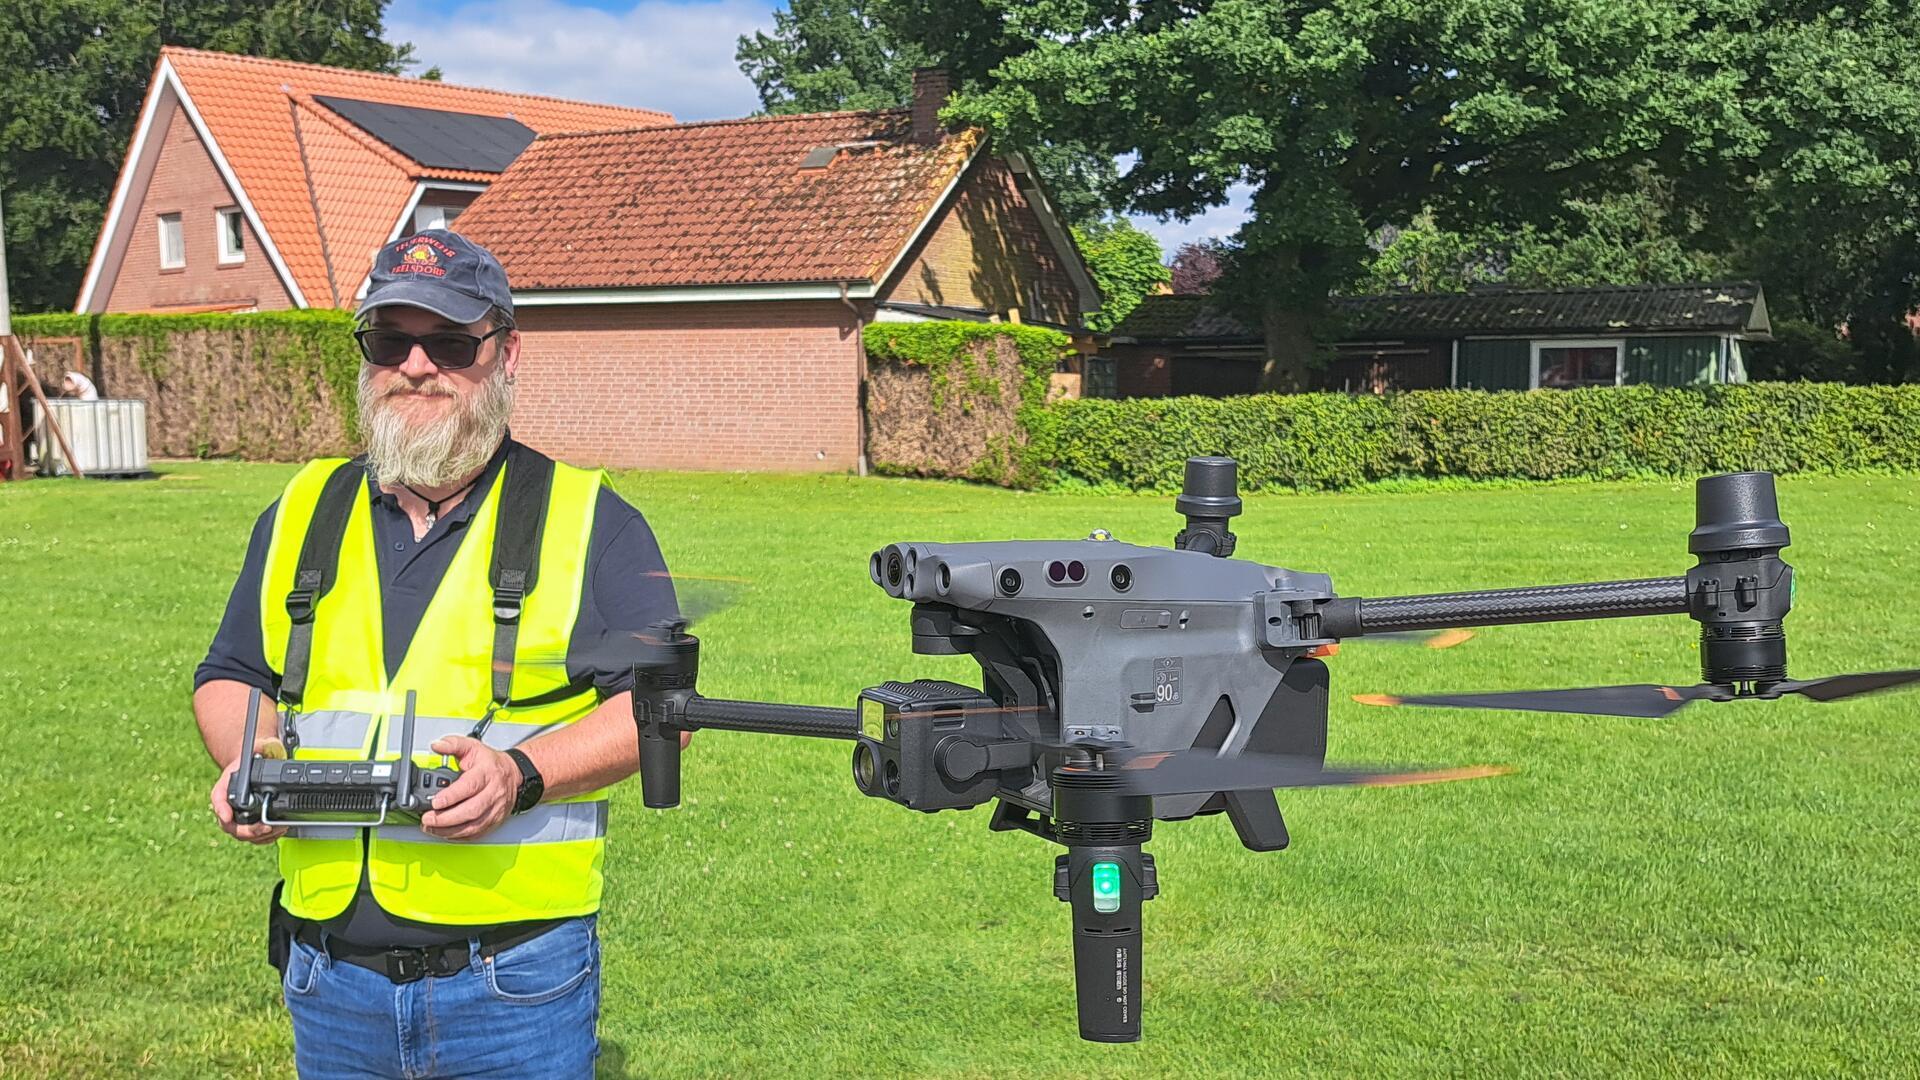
75,74
826,55
1343,116
1347,116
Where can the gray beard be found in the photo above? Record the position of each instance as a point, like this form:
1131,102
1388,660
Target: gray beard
439,453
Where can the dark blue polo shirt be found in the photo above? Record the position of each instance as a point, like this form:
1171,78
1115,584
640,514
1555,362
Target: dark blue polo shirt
627,589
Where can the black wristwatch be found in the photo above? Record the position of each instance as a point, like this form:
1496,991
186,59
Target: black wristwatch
531,785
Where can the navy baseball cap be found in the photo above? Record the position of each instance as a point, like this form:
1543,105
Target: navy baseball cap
442,272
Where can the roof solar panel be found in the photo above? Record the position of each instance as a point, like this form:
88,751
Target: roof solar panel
435,138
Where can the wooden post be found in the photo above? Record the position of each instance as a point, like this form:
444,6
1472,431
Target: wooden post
13,441
17,358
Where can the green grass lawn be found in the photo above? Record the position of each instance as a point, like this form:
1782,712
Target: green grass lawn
1735,890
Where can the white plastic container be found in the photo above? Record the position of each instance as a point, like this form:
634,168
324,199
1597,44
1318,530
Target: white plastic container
108,436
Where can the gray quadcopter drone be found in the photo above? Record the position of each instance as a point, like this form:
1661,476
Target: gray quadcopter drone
1122,684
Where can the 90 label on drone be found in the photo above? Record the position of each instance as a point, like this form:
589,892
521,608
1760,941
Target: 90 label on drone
1166,680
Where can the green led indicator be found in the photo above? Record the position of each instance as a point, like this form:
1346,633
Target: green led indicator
1106,887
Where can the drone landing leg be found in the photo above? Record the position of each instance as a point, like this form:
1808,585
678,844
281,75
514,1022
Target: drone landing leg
1106,886
1256,817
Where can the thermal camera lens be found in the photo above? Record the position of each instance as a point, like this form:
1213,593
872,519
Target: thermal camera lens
1056,571
893,779
1121,576
1076,571
944,579
1010,581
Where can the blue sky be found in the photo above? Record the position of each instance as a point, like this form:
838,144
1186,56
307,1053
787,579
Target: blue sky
675,55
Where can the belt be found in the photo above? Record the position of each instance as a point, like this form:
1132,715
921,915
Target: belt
405,965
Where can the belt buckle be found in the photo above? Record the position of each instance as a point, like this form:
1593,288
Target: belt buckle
406,965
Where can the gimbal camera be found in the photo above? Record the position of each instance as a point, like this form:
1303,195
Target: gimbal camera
1123,685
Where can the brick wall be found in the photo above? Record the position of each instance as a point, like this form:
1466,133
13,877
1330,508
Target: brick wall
988,251
185,181
769,386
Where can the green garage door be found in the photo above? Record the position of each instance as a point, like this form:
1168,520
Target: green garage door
1495,365
1672,361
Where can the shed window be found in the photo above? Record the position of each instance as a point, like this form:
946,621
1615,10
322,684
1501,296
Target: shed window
173,247
1100,380
1564,365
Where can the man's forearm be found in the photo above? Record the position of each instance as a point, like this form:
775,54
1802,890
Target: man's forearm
220,708
599,749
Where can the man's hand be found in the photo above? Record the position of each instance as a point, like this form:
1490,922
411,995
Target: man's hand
482,798
223,810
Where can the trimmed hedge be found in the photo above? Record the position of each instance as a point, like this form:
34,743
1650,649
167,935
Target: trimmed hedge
1326,441
963,422
276,385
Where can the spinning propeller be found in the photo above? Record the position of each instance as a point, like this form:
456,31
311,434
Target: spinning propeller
1653,701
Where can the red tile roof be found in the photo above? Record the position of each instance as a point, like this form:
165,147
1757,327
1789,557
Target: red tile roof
251,107
721,203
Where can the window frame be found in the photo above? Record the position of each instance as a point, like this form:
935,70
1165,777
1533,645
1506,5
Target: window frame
161,221
1618,345
233,257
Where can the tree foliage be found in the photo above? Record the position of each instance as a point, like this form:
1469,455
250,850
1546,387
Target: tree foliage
1197,264
826,55
77,72
1125,264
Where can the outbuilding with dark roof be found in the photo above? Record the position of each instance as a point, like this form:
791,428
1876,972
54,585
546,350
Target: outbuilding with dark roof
1492,338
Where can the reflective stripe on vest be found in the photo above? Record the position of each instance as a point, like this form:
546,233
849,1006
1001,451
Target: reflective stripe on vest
542,864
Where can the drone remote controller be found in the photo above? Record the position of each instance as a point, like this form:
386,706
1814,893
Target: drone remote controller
274,791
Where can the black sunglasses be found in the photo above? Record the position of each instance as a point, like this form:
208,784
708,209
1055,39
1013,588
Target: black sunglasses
449,350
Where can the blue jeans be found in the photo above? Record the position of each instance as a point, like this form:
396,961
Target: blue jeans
528,1011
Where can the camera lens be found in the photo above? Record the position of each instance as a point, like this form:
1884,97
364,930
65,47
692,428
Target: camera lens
944,580
863,768
893,568
1076,571
893,779
1056,571
1121,576
1010,581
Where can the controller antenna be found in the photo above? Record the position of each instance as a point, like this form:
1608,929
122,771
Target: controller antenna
1209,498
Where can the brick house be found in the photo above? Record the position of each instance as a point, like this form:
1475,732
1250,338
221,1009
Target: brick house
693,296
1489,338
257,184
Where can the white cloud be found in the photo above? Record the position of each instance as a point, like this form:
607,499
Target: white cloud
672,56
1216,223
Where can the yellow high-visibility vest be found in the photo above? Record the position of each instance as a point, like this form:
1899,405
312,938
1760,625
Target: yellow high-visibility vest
545,863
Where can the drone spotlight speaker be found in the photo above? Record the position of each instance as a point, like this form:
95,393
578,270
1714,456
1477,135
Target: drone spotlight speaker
1741,590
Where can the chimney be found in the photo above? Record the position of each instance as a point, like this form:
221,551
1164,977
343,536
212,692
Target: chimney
931,88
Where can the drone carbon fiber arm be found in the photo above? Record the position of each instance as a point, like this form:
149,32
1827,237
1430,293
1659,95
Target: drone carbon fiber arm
1355,616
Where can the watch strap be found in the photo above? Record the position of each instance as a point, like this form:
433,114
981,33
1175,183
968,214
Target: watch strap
531,783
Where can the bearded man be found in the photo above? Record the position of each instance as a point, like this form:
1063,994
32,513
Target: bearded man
457,565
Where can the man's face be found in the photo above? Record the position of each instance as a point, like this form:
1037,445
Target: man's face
419,390
428,426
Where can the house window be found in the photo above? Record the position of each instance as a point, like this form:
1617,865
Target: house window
1564,365
434,217
173,246
232,231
